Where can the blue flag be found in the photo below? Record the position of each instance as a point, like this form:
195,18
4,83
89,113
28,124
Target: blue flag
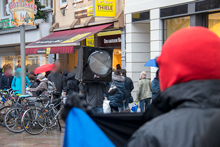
82,131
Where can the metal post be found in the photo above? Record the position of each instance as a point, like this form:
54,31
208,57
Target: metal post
23,67
123,48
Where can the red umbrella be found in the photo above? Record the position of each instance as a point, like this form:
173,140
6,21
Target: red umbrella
43,68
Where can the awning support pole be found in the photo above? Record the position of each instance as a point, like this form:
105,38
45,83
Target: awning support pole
23,67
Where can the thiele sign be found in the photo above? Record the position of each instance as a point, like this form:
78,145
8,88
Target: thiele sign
104,8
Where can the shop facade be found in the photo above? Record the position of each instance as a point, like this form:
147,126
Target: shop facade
75,15
150,23
10,45
10,39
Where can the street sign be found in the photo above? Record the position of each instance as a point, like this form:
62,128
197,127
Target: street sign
22,13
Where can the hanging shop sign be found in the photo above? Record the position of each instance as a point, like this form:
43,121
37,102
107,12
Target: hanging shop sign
84,12
109,41
104,8
21,12
90,41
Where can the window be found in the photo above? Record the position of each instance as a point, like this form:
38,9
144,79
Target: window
46,3
176,10
4,8
214,23
140,16
63,2
207,5
173,25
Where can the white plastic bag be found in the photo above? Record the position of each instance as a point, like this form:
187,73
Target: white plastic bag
106,106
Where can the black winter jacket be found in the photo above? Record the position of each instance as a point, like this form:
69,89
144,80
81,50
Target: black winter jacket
129,86
94,92
72,84
116,100
6,82
58,80
185,113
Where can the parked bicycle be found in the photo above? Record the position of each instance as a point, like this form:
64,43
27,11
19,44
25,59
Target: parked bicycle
36,120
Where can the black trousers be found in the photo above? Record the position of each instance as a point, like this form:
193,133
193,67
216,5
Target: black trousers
114,109
55,97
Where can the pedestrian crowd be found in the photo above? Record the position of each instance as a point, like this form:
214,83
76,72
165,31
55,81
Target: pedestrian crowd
66,83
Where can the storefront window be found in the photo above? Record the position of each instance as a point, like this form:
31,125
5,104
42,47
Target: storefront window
214,23
173,25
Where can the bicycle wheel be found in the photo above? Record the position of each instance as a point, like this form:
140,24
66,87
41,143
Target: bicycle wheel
34,121
3,111
51,120
12,120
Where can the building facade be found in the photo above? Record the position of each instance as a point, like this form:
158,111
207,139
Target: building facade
10,37
78,14
150,23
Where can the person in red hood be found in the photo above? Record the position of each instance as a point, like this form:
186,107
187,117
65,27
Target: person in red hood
190,84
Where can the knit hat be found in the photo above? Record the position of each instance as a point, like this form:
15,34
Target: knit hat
189,54
40,76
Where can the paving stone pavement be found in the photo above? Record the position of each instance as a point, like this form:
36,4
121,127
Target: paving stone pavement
54,138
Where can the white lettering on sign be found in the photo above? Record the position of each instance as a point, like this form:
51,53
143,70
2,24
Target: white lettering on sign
106,41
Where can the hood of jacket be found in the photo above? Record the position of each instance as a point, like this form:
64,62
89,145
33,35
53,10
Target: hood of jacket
196,94
44,80
70,76
118,78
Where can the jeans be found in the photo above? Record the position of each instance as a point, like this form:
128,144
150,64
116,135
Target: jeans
97,110
125,105
146,102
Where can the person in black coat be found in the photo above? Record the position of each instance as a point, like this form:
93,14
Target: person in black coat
94,92
57,78
129,86
117,99
6,79
72,84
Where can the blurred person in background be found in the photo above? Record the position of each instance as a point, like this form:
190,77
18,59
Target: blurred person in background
72,83
57,78
144,92
16,82
118,67
42,87
129,86
155,85
18,65
6,79
117,99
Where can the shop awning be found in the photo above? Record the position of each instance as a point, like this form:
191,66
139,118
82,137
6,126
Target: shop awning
62,41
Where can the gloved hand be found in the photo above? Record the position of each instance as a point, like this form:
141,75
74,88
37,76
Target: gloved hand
28,89
76,100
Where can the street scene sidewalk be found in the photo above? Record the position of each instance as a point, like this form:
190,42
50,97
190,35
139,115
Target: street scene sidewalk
53,138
